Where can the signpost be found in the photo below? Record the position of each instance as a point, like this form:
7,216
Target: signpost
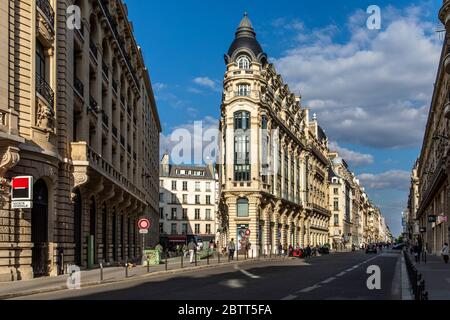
22,192
431,219
143,225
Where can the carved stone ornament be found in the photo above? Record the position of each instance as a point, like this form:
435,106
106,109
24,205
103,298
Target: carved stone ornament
9,158
45,117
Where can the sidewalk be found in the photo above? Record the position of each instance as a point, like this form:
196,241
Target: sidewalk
437,277
113,274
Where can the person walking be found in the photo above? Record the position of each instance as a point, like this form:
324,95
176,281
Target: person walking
191,248
444,252
231,249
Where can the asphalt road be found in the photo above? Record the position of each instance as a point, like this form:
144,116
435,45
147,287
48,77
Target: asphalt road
337,276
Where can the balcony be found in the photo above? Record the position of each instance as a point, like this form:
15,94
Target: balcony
114,132
105,119
90,167
447,63
444,13
79,86
93,49
122,141
46,8
45,91
114,86
105,70
93,105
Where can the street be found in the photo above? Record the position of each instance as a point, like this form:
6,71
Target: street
337,276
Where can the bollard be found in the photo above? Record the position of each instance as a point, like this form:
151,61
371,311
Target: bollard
252,254
207,258
264,253
165,262
126,269
218,257
101,272
182,257
148,265
195,253
237,255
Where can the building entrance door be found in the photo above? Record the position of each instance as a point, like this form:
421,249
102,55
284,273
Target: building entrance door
39,230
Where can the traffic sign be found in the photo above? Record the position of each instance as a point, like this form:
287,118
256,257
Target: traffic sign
143,231
144,224
431,218
247,232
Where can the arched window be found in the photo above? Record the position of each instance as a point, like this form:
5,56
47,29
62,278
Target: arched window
242,146
242,120
242,207
243,62
264,123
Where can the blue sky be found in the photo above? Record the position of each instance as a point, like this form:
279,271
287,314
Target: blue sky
371,89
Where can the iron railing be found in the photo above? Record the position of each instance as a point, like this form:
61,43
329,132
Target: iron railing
46,8
93,106
105,119
114,131
78,85
416,280
93,49
105,69
44,89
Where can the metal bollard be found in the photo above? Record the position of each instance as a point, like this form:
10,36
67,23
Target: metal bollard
182,260
218,257
195,254
148,265
165,262
207,258
237,255
101,272
126,269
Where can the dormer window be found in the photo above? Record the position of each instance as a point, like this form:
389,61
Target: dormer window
243,62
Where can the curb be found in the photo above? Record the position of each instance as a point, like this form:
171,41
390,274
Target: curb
131,278
406,284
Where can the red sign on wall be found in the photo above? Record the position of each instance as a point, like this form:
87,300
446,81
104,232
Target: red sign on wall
22,189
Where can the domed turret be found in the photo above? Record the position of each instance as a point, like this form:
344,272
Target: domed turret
245,40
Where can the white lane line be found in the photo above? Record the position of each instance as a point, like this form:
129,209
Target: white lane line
248,274
341,274
329,280
309,289
290,297
349,270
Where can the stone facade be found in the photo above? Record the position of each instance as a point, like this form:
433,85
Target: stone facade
431,173
187,202
273,183
74,108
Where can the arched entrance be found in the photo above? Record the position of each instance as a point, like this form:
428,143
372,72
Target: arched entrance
78,210
39,229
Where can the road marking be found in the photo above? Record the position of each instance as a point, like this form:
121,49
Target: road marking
248,274
329,280
290,297
341,274
309,289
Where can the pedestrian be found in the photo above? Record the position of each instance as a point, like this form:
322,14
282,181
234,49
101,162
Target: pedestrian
416,252
185,250
444,252
160,249
231,249
308,251
192,247
280,249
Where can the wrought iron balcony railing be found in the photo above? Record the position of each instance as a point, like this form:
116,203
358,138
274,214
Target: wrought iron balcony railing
114,131
105,69
93,106
105,119
44,89
93,49
78,85
46,8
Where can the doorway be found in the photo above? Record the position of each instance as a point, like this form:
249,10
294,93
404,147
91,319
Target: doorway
39,230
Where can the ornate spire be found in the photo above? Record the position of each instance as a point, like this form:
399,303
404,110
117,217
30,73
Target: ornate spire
245,28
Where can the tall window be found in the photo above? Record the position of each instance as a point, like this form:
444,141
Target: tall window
161,197
40,61
336,219
197,229
174,185
208,229
208,214
197,214
243,62
185,214
336,205
197,199
243,90
208,199
173,228
208,187
185,184
197,186
174,213
184,229
242,146
174,198
185,198
242,207
161,213
161,228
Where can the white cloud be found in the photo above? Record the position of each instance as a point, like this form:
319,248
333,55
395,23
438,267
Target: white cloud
354,158
393,179
206,82
375,89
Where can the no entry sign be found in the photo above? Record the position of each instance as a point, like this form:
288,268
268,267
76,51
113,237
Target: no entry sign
144,224
22,189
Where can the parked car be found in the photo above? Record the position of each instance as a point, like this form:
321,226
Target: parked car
324,250
372,248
